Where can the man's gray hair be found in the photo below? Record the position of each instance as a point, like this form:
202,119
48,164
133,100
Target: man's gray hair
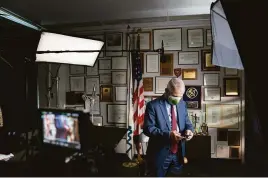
175,83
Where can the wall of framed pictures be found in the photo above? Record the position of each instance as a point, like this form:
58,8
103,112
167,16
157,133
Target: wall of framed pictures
213,94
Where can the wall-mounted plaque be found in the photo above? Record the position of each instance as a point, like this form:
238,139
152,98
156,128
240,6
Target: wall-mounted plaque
76,69
106,93
119,77
192,97
117,113
211,79
121,93
212,94
231,86
105,64
148,83
206,61
188,57
195,38
166,68
114,41
230,72
189,74
119,63
77,83
152,63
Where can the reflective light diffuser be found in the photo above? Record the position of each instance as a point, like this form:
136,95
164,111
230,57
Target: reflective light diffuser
57,42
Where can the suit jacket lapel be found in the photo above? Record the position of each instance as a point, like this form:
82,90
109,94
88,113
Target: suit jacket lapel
180,117
164,112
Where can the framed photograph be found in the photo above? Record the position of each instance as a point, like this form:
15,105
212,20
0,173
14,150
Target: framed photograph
195,38
152,63
97,120
119,63
145,40
208,37
192,97
106,78
119,78
100,38
93,70
212,94
172,39
116,113
106,93
177,72
105,64
96,106
121,93
188,58
206,61
92,83
148,83
77,83
114,41
211,79
230,72
76,69
189,74
161,84
166,68
231,86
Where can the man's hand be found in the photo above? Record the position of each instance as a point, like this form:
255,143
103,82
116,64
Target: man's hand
175,136
189,135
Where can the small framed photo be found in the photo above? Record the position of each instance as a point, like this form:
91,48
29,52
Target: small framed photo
77,83
230,72
195,38
189,74
119,78
212,94
114,41
76,69
106,93
211,79
121,93
231,86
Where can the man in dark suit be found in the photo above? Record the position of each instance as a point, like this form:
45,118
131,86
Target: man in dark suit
167,124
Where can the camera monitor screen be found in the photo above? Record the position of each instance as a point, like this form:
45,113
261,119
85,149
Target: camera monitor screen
61,128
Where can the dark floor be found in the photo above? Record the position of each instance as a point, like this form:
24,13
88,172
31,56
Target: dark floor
215,167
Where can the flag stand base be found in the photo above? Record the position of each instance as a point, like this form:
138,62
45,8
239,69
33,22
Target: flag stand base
136,162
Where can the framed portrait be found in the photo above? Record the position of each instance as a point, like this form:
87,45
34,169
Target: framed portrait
231,86
77,83
172,39
114,41
116,113
206,61
148,83
195,38
100,38
106,93
145,40
192,97
189,74
76,69
166,68
188,58
119,77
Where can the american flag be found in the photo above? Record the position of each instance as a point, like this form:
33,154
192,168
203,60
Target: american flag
138,94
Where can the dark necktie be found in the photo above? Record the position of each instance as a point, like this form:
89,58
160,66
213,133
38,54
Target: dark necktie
174,146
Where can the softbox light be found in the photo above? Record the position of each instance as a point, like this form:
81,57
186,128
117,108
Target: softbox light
50,42
225,53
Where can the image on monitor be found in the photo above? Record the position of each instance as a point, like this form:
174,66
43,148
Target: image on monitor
61,129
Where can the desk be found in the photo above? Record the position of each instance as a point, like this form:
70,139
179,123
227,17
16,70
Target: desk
198,148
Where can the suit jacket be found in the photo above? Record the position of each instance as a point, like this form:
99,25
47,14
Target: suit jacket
157,127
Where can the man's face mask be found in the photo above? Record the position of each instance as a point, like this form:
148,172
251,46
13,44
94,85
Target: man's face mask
174,100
